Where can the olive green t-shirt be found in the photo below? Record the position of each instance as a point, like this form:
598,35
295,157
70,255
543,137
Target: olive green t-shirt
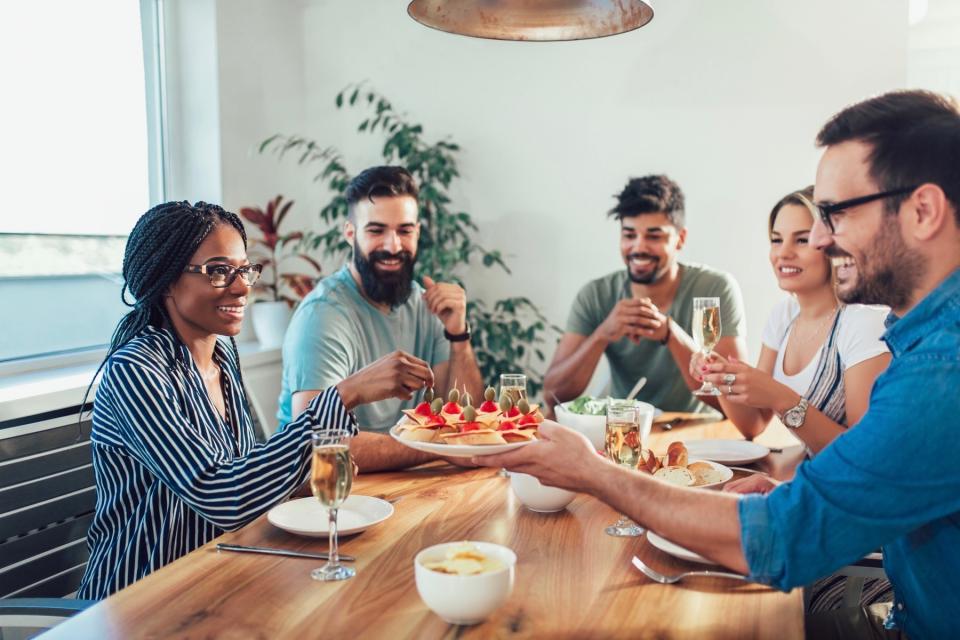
665,386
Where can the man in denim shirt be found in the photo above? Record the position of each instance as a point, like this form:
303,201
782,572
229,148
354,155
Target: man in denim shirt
888,188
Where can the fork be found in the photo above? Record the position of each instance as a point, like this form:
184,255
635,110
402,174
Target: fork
662,579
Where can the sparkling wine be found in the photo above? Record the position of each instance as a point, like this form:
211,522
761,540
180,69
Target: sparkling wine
332,474
623,443
514,393
706,327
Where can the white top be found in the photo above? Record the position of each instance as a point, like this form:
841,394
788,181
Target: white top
858,339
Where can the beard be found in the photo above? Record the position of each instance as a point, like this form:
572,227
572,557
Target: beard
889,276
391,288
649,277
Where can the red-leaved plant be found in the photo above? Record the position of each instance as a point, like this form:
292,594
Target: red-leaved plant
271,252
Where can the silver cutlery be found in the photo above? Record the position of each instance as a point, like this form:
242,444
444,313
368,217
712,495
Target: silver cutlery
670,424
636,388
662,579
280,552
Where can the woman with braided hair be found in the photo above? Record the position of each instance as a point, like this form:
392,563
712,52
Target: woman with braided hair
174,452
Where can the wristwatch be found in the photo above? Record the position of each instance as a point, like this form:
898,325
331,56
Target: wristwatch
457,337
794,416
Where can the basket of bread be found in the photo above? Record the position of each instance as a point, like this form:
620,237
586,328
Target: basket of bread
677,468
457,423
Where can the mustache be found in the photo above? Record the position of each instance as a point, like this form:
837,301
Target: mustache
642,256
833,251
405,256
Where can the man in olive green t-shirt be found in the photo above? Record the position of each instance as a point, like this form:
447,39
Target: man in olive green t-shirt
641,317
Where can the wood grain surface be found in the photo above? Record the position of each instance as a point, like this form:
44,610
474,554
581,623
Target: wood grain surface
572,580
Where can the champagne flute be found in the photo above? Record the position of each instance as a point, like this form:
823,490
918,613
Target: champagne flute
331,478
622,443
706,333
515,386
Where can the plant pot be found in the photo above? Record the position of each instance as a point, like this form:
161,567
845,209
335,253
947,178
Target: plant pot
270,320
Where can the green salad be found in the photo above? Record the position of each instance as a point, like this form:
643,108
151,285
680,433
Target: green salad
589,406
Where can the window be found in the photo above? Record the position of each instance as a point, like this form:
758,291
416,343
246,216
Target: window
83,159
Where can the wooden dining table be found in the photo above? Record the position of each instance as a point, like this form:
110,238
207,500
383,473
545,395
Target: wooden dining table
572,580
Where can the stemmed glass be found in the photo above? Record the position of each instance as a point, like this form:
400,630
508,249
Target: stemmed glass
330,480
623,447
706,333
515,386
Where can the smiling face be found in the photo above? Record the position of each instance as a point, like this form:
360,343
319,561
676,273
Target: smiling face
873,263
649,244
797,265
198,309
384,235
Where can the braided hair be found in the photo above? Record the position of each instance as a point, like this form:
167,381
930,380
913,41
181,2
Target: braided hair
158,249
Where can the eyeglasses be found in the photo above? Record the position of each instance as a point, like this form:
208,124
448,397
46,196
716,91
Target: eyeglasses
828,212
223,275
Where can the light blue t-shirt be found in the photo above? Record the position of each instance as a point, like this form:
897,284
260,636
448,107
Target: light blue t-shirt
335,332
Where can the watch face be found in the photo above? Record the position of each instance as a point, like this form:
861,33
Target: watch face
792,419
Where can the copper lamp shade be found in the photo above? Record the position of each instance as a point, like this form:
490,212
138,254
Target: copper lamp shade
540,20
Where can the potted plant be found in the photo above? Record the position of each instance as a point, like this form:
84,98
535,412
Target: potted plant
278,290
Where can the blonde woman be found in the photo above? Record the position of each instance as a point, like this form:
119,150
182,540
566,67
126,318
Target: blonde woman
816,368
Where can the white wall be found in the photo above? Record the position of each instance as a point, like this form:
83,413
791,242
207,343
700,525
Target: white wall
725,97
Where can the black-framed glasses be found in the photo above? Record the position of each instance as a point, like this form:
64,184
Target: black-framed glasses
828,212
223,275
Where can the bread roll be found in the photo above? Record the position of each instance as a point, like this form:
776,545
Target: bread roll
676,455
704,473
676,475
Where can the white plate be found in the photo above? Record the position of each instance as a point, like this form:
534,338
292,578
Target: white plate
457,450
675,550
726,471
727,451
307,517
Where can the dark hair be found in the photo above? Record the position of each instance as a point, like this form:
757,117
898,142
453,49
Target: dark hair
651,194
158,249
802,197
915,139
383,181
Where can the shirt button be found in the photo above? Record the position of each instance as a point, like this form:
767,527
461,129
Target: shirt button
899,606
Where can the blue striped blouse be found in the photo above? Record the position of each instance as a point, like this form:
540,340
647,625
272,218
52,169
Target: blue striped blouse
171,474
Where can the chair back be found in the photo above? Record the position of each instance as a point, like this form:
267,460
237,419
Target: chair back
47,499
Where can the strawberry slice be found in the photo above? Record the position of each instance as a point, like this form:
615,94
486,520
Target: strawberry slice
489,406
513,412
423,409
435,421
470,426
452,407
506,425
527,420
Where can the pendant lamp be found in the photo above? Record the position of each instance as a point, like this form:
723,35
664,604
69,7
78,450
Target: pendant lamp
538,20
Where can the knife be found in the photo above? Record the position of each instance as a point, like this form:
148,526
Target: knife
280,552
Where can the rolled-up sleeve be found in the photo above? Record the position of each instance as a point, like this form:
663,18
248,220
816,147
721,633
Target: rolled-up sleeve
888,476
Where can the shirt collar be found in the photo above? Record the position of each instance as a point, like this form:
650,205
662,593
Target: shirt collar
939,307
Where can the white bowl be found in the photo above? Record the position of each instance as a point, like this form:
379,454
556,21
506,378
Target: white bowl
464,599
538,497
594,427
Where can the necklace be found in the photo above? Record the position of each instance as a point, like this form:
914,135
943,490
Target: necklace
806,339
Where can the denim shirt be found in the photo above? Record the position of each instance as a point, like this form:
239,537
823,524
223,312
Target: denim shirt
892,481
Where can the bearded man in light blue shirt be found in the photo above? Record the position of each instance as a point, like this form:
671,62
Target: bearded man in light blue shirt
888,193
372,319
